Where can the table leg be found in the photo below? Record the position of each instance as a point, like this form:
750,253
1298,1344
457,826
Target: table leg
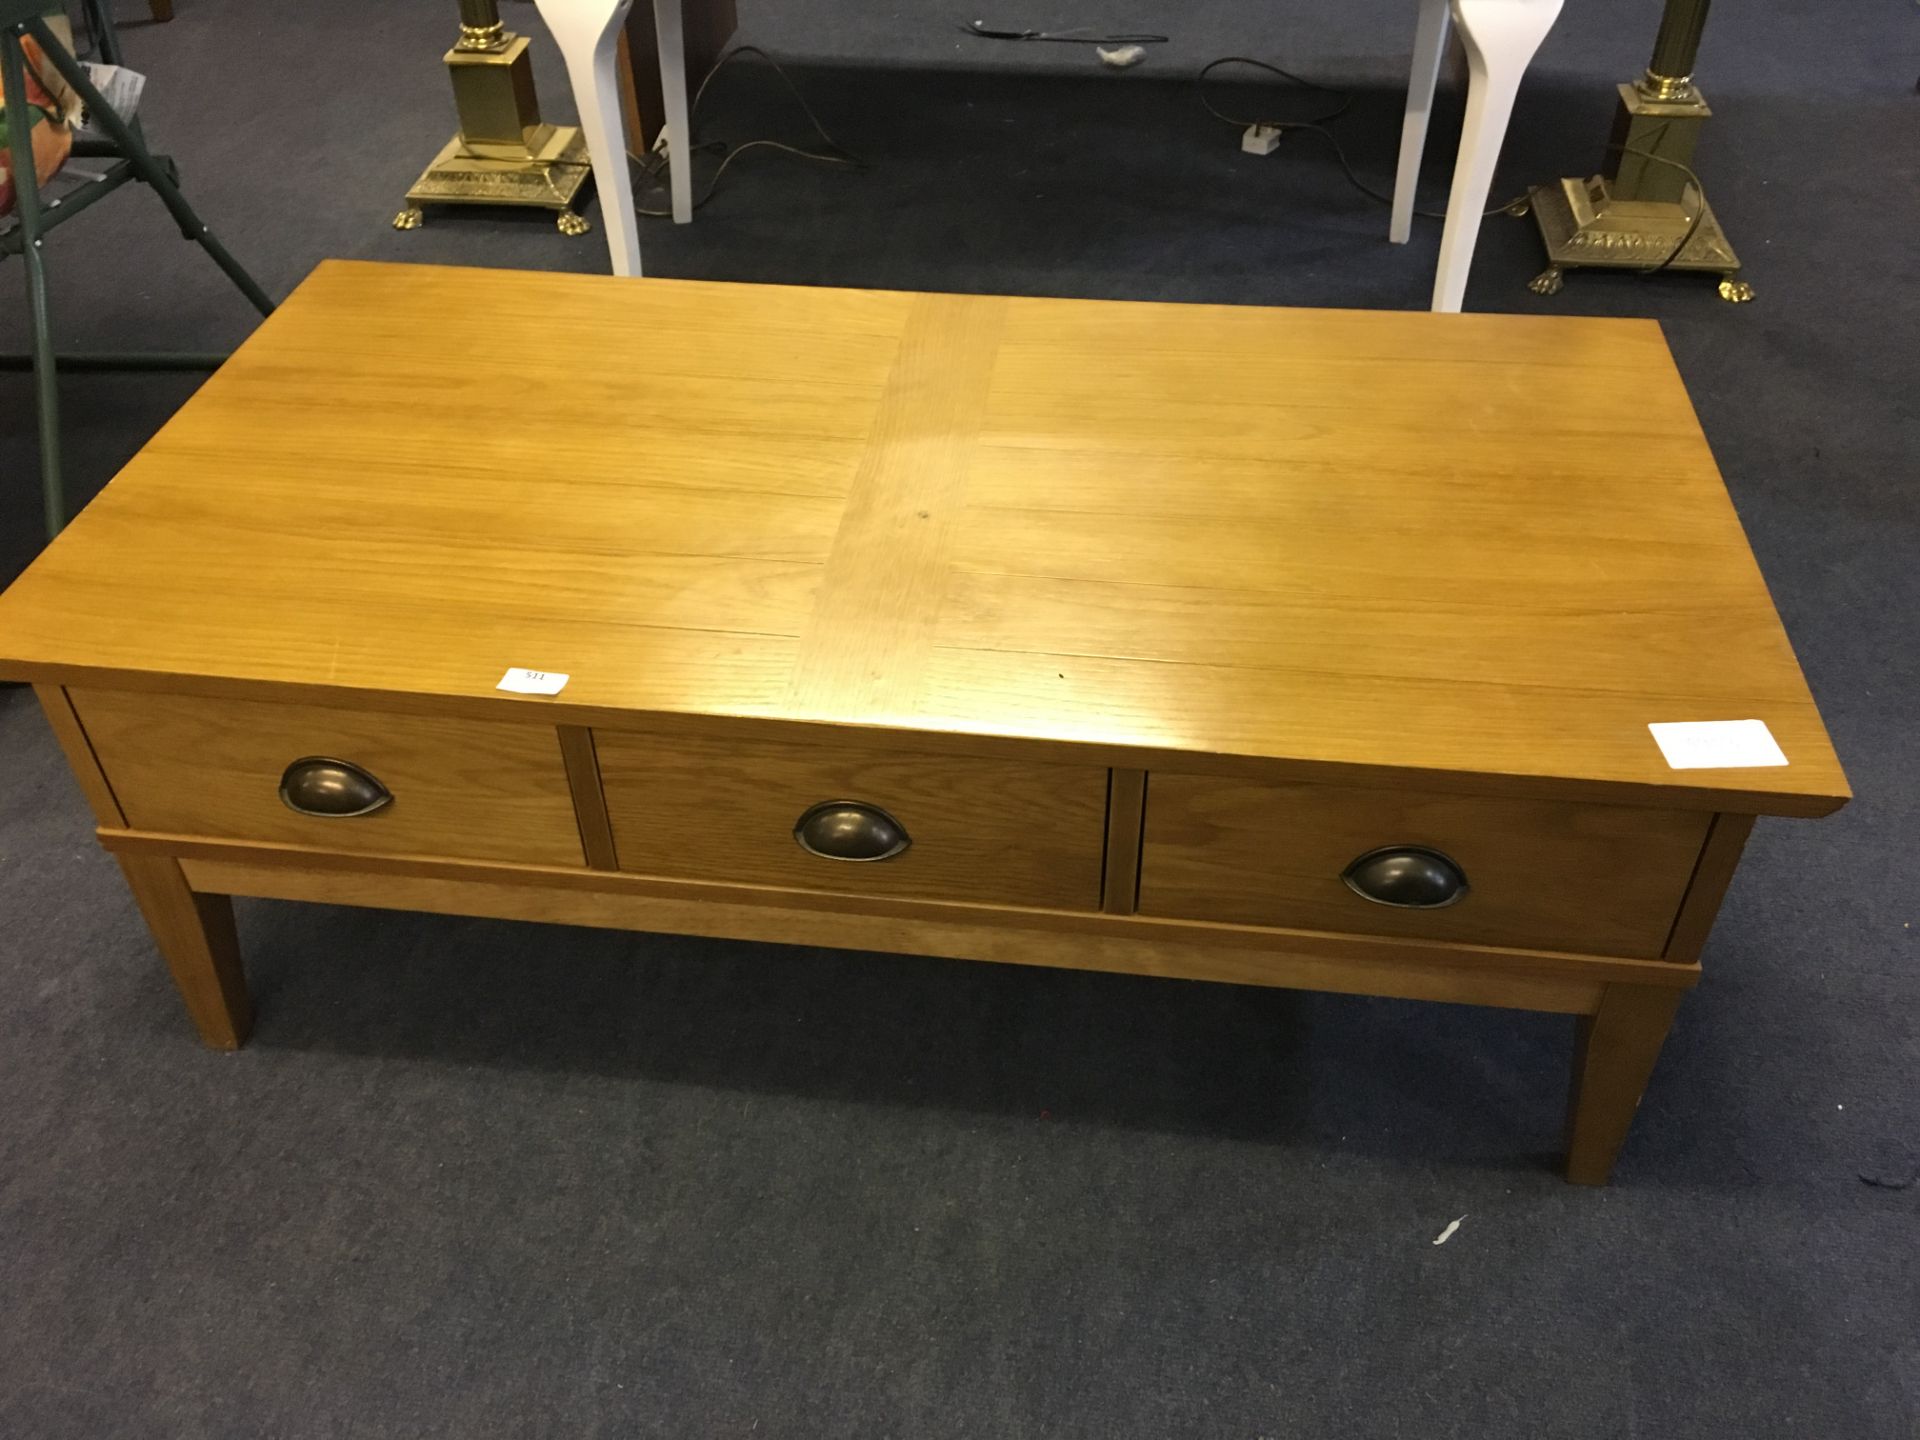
195,935
670,37
1501,37
1429,49
1613,1058
587,33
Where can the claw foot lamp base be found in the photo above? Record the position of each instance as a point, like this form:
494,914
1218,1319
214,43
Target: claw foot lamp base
1585,225
1648,212
551,180
504,154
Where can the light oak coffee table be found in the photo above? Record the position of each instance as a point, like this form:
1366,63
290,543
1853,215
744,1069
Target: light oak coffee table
1303,648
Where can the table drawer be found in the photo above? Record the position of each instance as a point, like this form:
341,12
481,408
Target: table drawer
472,789
991,831
1600,879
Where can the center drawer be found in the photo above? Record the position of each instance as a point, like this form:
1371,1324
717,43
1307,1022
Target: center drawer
881,823
468,789
1551,875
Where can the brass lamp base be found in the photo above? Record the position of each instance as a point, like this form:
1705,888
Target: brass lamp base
1649,212
505,154
1583,224
550,179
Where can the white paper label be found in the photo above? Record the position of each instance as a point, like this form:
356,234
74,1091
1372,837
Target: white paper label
1717,744
119,87
533,682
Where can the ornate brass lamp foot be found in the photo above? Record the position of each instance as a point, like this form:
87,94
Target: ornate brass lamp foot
1589,223
551,179
1548,282
1647,212
504,154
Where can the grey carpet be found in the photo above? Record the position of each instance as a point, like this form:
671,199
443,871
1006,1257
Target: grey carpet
477,1179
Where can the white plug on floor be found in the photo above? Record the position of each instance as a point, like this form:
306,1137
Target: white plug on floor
1260,139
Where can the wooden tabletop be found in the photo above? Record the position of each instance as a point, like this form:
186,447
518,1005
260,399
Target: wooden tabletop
1490,549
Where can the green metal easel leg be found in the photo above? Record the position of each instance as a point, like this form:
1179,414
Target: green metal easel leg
26,192
105,38
34,225
134,148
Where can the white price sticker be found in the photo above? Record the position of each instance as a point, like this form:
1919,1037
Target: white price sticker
1717,744
533,682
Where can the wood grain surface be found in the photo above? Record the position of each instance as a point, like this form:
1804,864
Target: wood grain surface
867,641
1283,543
985,830
476,788
1540,872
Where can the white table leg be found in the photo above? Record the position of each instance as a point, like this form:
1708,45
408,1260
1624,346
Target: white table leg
1501,37
1429,49
588,34
670,35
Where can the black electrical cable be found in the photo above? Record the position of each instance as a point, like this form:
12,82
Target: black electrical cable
657,167
1699,210
1340,103
1315,125
978,28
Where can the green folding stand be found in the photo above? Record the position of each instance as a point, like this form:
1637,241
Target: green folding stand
131,161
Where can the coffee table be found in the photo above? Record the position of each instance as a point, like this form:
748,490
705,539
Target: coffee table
1279,647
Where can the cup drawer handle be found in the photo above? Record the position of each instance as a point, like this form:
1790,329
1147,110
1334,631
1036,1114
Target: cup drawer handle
332,789
850,830
1411,877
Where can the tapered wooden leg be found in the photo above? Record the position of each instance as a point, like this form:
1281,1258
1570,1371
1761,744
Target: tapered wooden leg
196,936
1613,1058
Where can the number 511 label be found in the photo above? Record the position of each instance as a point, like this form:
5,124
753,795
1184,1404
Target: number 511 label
533,682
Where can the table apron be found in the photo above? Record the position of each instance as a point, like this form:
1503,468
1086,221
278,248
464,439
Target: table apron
1127,944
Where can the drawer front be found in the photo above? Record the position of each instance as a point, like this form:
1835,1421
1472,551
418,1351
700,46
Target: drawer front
987,831
471,789
1599,879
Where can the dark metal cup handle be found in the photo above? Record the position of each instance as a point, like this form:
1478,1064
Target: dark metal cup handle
850,830
1411,877
332,789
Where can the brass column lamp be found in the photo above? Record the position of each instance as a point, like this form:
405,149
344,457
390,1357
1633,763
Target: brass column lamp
1648,211
504,154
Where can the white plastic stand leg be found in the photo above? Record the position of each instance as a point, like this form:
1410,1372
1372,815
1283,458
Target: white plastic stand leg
670,35
588,34
1429,49
1501,37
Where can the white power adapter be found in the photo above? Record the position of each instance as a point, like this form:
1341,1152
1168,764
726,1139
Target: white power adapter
1260,139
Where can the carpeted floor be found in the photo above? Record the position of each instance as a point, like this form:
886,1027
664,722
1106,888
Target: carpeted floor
475,1179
